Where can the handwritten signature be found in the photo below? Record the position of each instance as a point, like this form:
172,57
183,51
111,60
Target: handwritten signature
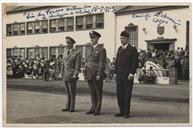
158,17
50,13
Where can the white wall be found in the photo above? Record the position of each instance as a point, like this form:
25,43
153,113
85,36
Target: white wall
151,27
54,39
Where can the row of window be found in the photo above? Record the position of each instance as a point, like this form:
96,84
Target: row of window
53,51
56,25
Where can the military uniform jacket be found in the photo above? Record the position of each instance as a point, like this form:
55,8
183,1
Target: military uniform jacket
95,62
71,64
126,61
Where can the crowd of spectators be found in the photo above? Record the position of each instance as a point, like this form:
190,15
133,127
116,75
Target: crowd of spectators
41,67
179,59
34,68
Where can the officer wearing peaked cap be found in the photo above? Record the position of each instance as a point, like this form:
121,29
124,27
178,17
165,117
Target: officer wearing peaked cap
70,40
125,67
94,34
95,62
70,70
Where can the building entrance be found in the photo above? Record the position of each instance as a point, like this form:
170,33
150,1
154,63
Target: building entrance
162,46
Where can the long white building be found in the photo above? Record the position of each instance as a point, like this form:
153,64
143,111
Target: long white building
32,30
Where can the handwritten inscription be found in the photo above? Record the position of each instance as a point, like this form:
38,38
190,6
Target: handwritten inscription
159,18
60,12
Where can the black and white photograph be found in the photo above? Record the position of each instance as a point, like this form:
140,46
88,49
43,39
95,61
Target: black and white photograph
90,64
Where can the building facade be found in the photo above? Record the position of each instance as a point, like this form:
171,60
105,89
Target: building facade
42,30
161,27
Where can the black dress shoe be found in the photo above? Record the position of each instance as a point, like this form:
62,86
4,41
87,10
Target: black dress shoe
71,110
65,109
119,114
126,116
90,112
97,113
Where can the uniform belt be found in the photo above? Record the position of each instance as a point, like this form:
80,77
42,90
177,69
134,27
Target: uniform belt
92,63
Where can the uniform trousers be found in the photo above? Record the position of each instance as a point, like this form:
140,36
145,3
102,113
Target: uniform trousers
96,90
70,87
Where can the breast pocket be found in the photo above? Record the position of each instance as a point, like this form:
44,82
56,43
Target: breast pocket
96,53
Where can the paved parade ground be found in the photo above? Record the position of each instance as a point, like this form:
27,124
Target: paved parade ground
37,102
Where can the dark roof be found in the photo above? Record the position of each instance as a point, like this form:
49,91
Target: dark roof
17,9
133,9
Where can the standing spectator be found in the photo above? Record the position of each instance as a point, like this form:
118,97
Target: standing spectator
182,52
46,69
108,68
112,69
185,67
52,69
58,67
172,70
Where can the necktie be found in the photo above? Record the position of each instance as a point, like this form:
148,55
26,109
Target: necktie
68,52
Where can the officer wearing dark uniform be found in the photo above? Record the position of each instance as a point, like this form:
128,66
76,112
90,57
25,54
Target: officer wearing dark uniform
95,62
125,67
70,70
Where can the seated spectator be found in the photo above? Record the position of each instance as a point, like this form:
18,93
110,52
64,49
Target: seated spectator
9,70
150,76
142,74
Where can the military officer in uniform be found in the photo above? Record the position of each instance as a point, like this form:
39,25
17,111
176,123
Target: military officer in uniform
95,62
125,67
70,70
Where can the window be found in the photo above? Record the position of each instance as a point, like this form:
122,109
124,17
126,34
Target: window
53,52
89,22
30,27
45,26
9,29
37,51
53,25
133,34
16,52
30,52
37,27
22,29
79,22
61,25
60,51
22,52
70,24
45,52
16,29
99,20
9,52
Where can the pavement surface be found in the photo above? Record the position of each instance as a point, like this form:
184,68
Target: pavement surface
172,93
40,102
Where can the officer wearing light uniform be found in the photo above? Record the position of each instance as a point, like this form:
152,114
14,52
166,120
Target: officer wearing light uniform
70,70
